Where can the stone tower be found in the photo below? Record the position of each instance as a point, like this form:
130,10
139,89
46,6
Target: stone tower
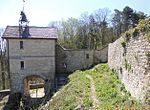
31,54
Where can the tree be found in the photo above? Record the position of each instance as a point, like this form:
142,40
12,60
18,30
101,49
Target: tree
68,32
117,22
101,18
136,16
95,30
127,18
123,20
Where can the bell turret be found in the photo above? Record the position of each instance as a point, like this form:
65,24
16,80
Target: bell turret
23,25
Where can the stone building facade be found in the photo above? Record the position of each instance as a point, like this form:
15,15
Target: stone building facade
32,56
132,63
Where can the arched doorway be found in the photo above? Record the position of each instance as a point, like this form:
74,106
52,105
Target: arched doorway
34,86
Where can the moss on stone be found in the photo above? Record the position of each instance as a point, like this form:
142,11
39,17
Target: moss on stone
123,44
148,36
135,32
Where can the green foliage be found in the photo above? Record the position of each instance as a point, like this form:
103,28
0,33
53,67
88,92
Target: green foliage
76,92
148,100
93,30
148,36
110,91
131,33
87,102
127,65
144,26
135,32
125,19
123,44
127,36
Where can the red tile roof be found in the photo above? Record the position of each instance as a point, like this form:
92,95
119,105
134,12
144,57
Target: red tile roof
35,32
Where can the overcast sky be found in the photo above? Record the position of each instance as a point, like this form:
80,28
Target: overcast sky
41,12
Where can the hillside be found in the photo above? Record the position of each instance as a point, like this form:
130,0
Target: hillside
97,88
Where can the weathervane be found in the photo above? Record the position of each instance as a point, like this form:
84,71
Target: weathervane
23,5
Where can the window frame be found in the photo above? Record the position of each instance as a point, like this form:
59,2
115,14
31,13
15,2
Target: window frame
87,56
21,45
22,65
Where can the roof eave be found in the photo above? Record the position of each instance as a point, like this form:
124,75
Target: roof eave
28,38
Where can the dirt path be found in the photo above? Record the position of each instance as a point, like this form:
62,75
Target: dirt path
93,92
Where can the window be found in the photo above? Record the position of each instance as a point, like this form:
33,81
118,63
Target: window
22,64
21,44
87,56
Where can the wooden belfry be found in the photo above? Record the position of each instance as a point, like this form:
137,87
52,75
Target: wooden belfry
23,25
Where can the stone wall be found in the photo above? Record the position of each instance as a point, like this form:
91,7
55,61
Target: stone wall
132,63
39,60
4,76
68,61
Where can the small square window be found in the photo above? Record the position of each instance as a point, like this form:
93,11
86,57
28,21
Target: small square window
21,44
21,64
87,56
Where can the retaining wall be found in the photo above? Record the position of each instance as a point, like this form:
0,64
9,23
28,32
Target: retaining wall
132,63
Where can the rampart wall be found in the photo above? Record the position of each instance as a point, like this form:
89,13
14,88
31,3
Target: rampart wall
131,60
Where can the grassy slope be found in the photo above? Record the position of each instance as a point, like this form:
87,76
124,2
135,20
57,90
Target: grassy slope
110,91
76,92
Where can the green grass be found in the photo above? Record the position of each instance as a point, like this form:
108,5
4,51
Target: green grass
76,92
110,91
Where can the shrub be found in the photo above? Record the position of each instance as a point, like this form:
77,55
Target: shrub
123,44
142,23
135,32
127,36
144,26
148,37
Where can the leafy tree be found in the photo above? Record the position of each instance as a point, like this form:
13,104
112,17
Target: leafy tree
127,17
117,22
136,16
95,30
123,20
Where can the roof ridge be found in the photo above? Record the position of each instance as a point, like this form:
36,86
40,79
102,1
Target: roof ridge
33,26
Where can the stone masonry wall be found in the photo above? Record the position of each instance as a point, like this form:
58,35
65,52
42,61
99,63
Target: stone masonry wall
4,76
39,60
68,61
132,64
